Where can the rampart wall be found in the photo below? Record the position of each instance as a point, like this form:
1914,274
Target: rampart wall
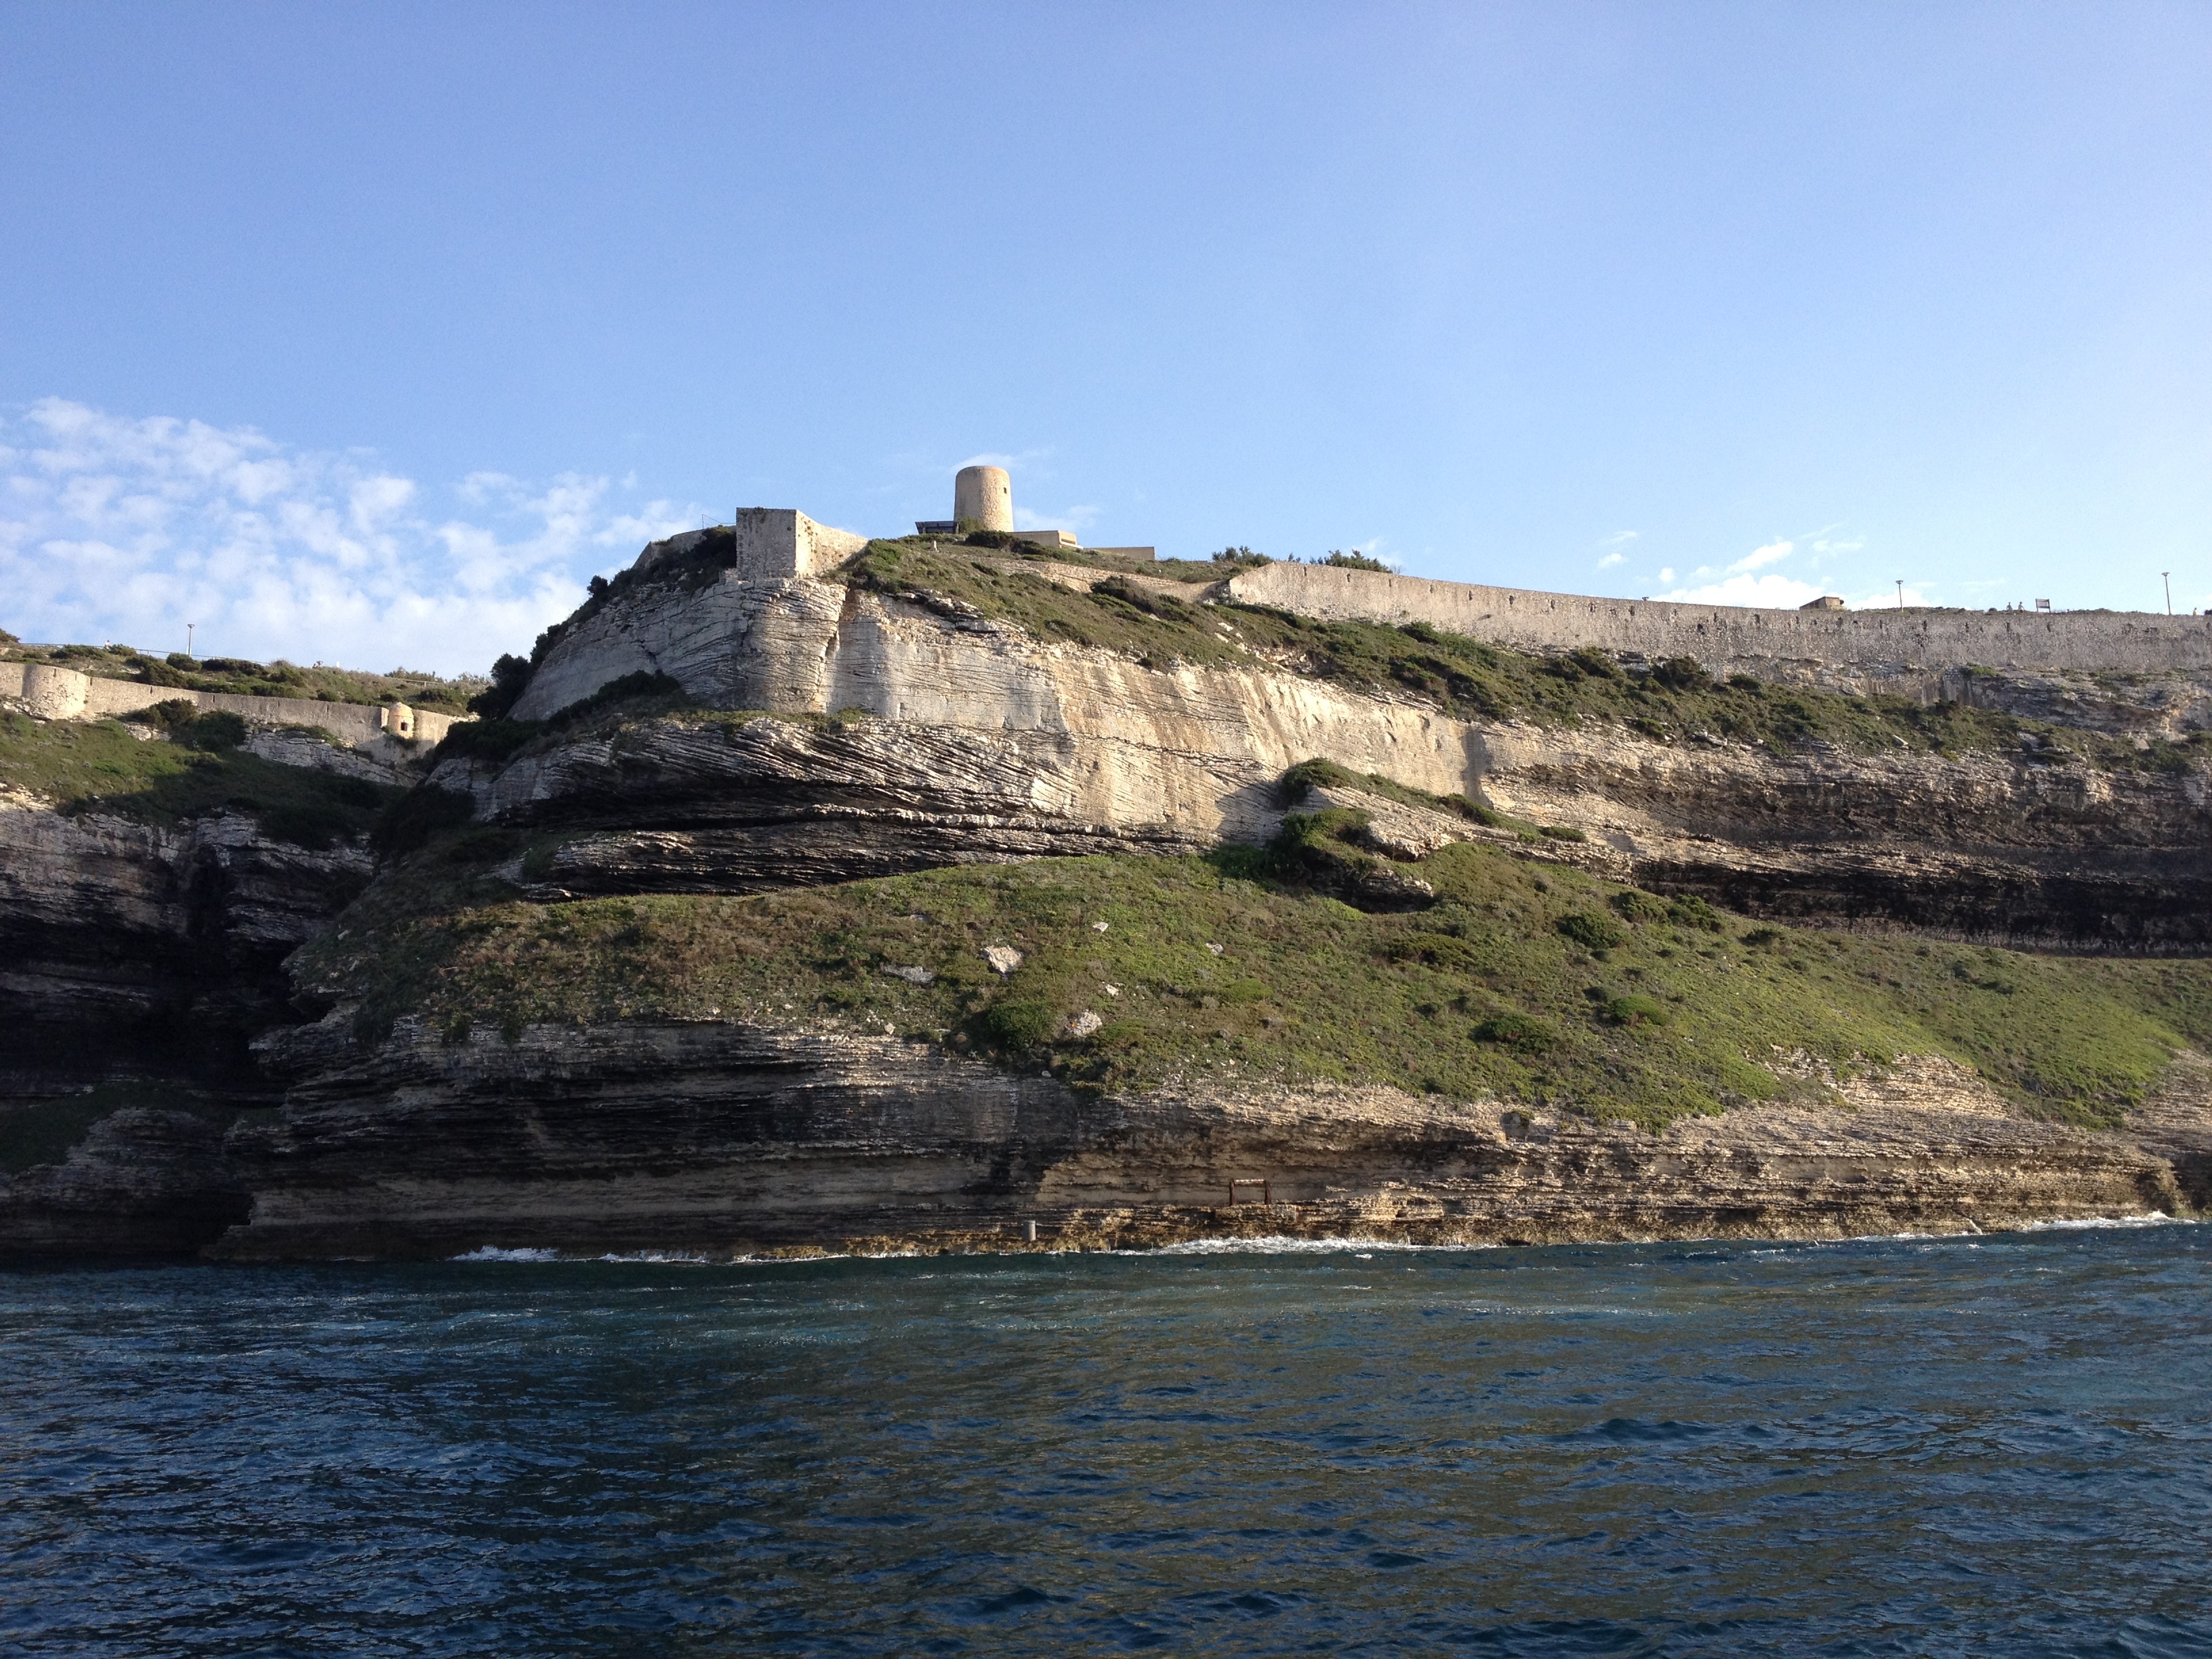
57,693
1875,644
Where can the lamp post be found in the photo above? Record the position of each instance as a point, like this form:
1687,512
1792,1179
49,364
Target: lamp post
188,637
1900,592
2167,577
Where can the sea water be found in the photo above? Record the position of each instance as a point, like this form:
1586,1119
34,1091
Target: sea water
1996,1445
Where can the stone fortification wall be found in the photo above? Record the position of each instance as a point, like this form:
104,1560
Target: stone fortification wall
773,542
1872,644
56,693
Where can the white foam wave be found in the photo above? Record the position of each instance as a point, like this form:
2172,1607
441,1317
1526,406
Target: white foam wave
493,1253
1281,1244
2086,1223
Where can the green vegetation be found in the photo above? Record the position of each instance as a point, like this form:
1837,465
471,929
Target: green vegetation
496,737
100,766
240,677
1671,701
1483,993
1159,630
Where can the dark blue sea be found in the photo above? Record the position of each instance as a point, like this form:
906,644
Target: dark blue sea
1999,1445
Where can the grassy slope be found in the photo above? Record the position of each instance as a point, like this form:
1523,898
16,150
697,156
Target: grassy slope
1466,677
1668,1017
98,766
240,677
1669,1020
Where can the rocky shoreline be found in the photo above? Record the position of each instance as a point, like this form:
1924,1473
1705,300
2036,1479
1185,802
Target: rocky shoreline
724,1141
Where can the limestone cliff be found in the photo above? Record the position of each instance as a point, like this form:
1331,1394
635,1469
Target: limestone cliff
130,947
717,1140
978,742
806,732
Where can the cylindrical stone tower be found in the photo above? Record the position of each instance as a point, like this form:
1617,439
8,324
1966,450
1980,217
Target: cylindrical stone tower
985,495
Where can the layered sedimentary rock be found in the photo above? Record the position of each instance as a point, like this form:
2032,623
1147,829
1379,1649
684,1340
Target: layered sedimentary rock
127,946
842,733
2029,850
723,1139
142,1182
979,743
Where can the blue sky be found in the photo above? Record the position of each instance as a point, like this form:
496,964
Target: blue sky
368,333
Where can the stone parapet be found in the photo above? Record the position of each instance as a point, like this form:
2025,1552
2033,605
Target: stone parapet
1878,643
53,692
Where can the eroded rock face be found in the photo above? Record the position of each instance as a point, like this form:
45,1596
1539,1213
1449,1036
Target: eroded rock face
981,744
144,1183
2014,851
127,947
724,1138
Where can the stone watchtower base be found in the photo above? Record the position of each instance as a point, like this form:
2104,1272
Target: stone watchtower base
775,542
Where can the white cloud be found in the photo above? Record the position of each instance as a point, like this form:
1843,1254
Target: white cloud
115,528
1619,538
1611,560
1887,599
1075,520
1773,590
1769,554
1666,574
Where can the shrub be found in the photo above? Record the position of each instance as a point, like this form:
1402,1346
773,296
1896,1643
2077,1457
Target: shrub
1696,912
510,678
1760,937
171,714
1021,1022
1241,861
1635,1010
1639,907
1519,1032
418,814
1591,931
331,812
1151,604
1683,674
215,731
491,739
1438,950
1315,840
1354,562
1242,556
1560,832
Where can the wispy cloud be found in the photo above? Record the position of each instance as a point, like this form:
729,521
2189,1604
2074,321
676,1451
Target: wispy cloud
1075,519
1773,590
119,528
1611,560
1619,538
1772,553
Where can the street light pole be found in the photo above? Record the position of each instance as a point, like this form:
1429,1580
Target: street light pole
1900,592
2168,576
188,637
